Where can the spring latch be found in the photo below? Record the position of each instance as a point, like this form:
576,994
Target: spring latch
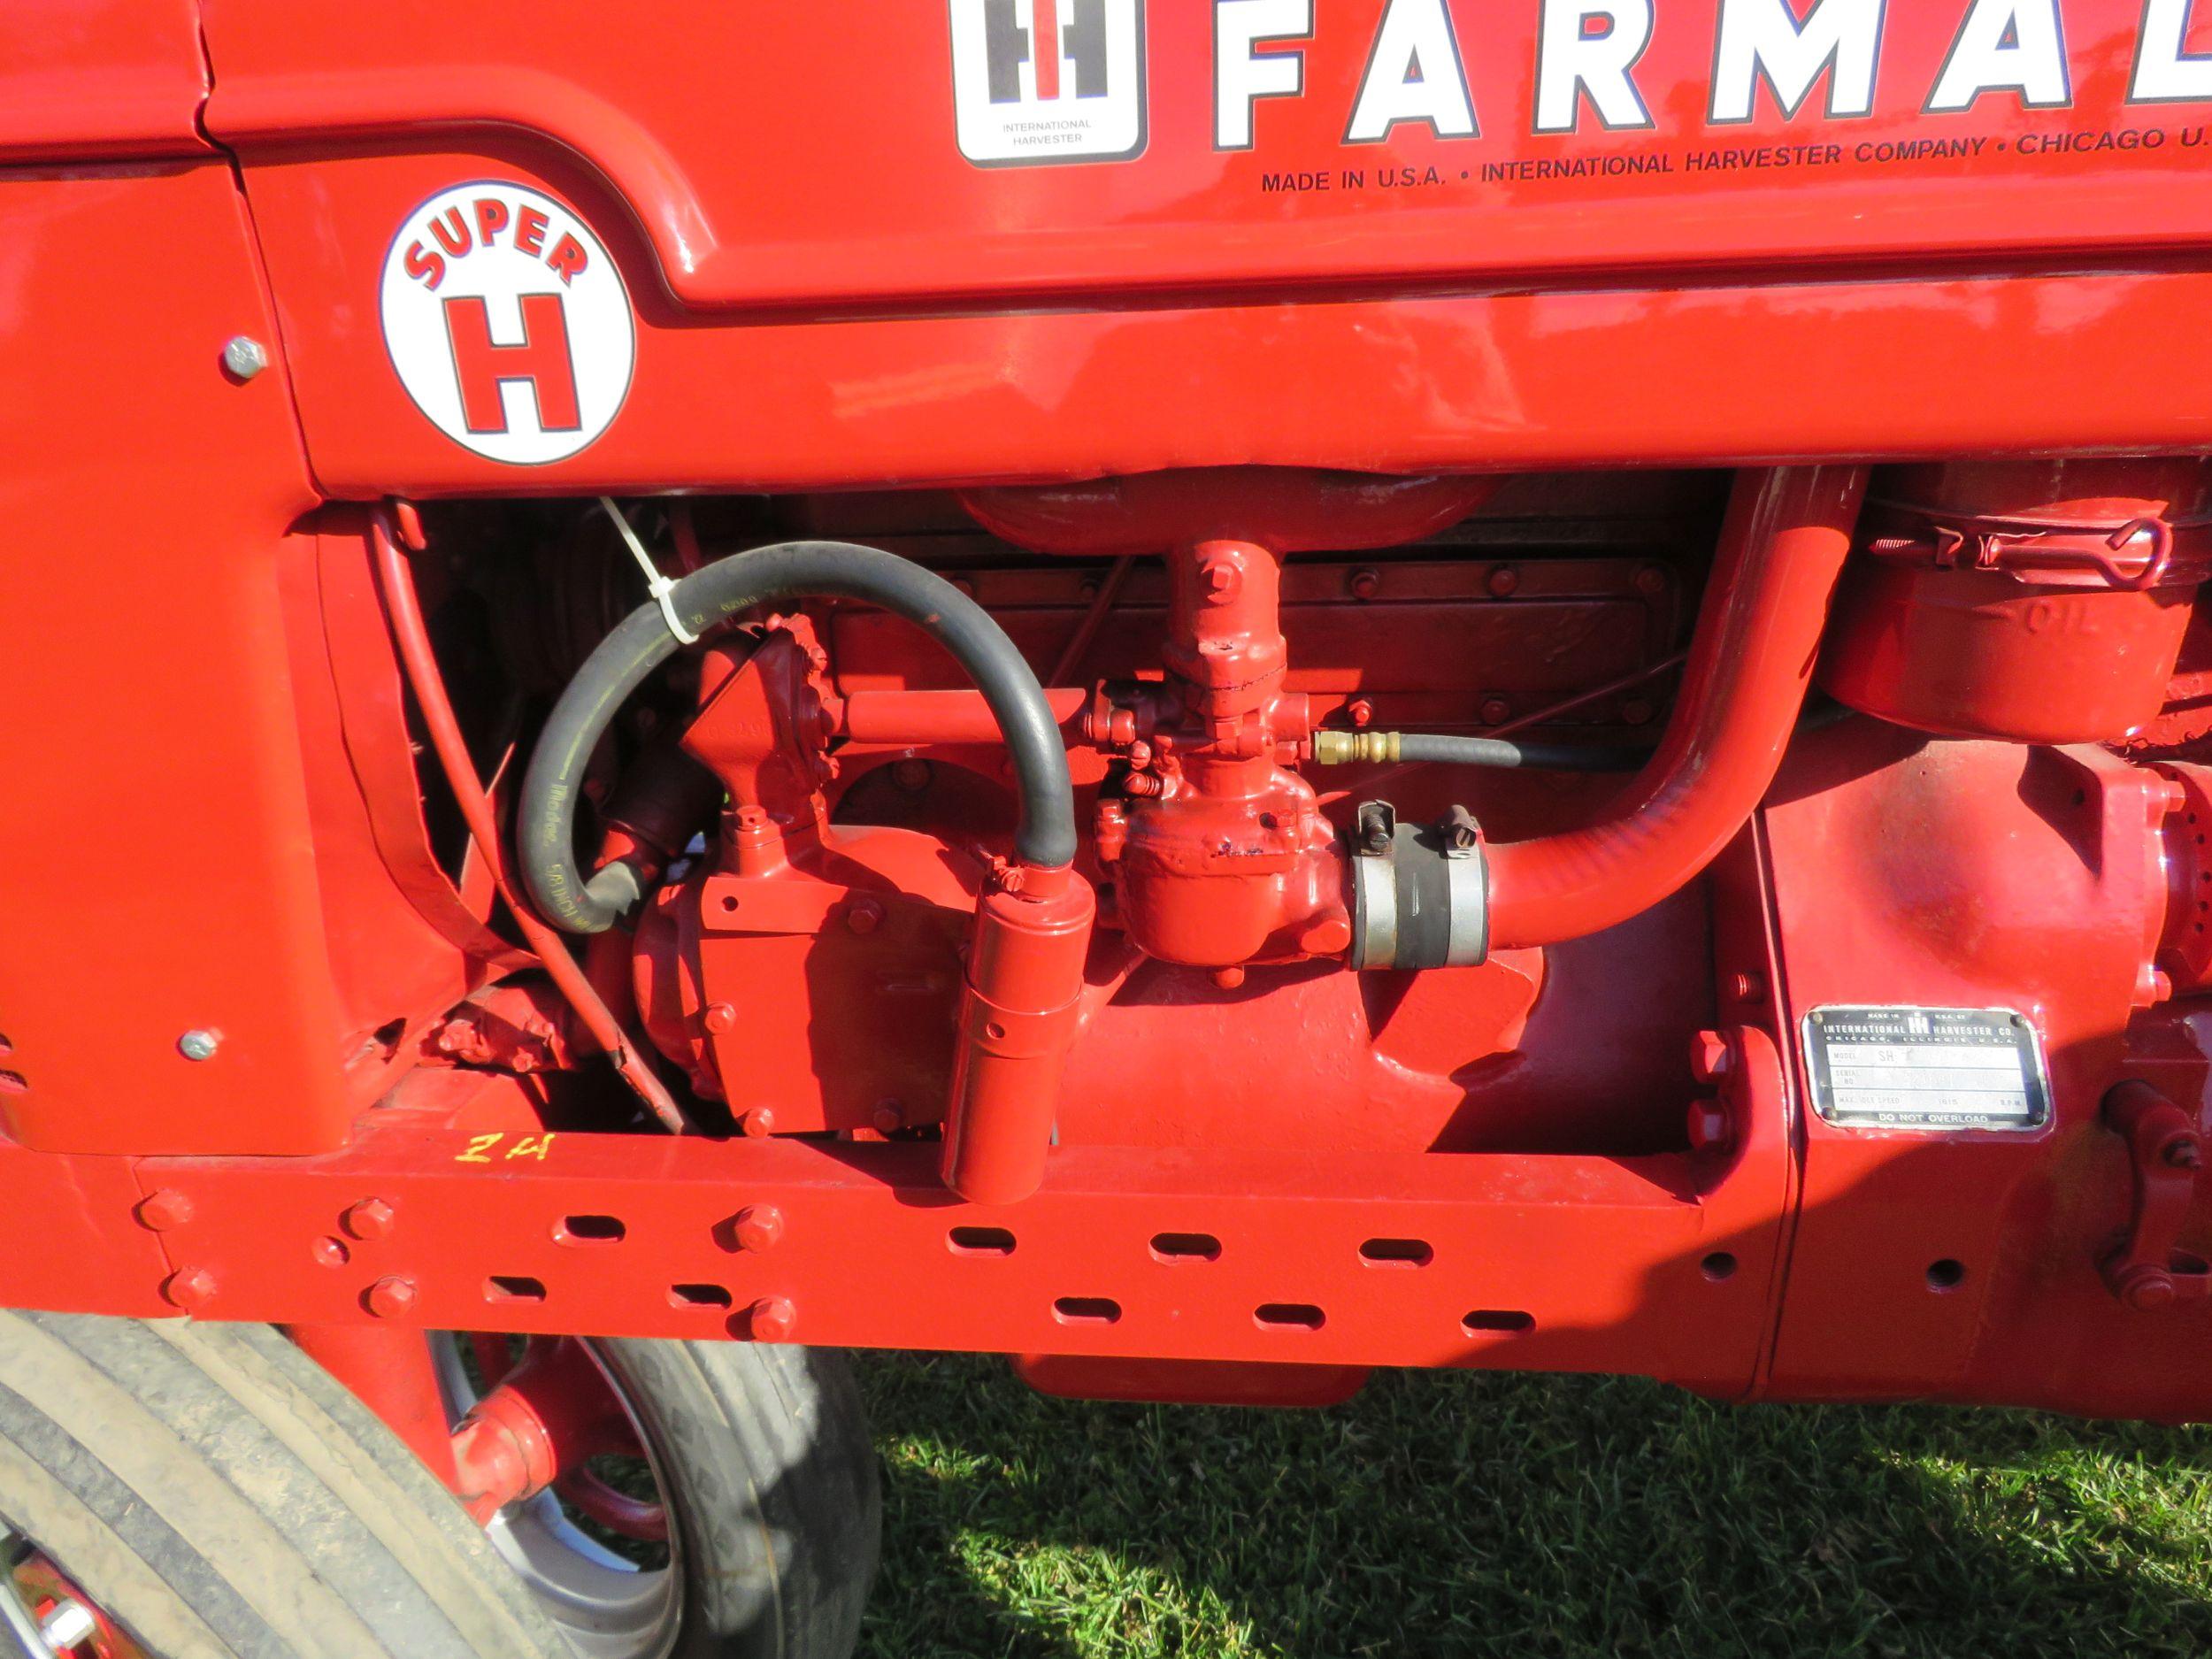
2017,546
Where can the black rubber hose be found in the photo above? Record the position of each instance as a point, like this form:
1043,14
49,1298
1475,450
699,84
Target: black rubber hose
1820,713
1503,751
546,825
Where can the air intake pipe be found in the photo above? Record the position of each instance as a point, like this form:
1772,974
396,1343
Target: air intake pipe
1782,546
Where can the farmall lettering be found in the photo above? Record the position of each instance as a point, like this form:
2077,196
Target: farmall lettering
1045,80
1822,58
508,323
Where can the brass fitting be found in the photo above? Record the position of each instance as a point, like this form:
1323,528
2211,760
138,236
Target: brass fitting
1344,749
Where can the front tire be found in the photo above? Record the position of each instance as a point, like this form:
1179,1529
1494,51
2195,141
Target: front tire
764,1450
760,1508
218,1496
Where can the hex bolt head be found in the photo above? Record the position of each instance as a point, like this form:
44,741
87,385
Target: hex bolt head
758,1122
69,1624
1710,1127
888,1118
165,1210
759,1227
1219,577
244,356
199,1043
1710,1056
774,1318
392,1297
371,1218
189,1288
720,1017
864,916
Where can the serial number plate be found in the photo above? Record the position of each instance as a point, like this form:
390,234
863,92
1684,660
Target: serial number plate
1926,1068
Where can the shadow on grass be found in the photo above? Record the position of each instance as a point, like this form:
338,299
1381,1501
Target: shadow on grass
1454,1513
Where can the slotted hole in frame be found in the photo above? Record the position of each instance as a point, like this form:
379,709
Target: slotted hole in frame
699,1296
588,1230
980,1241
1087,1310
1185,1246
1397,1253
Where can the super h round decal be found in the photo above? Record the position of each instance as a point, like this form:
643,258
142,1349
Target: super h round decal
508,323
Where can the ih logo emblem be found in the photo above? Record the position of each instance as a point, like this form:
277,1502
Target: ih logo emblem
508,323
1048,81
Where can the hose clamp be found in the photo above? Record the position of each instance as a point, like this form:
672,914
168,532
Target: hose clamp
1420,892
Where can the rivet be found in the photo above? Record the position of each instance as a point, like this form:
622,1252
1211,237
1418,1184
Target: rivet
199,1043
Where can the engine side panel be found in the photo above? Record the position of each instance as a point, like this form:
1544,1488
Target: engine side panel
162,870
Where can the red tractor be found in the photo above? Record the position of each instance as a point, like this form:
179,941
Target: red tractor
1211,693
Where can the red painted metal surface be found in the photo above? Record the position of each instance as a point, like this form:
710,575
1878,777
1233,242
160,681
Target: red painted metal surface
1688,373
478,1231
1233,443
1977,1259
99,79
389,1368
2061,627
708,126
1690,289
178,487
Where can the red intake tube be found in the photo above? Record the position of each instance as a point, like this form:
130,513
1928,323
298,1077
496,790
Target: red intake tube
1781,549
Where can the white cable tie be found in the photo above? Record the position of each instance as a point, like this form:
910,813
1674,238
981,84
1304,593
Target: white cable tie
659,585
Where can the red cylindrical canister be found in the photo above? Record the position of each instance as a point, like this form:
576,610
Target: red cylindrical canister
1018,1014
2038,602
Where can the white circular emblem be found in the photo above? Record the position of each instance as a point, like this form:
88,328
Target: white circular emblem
508,322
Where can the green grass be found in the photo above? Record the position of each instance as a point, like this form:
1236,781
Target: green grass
1467,1513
